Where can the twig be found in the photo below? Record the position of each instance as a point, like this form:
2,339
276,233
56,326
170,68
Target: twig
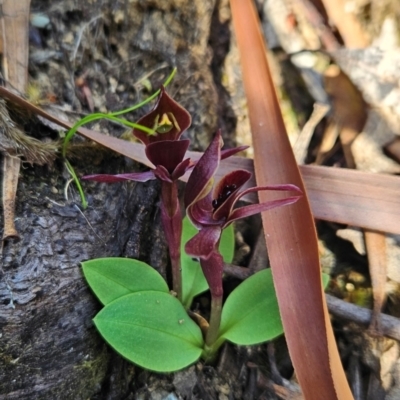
390,326
10,171
324,32
303,141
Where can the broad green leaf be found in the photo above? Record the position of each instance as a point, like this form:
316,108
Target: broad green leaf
251,314
111,278
151,329
193,279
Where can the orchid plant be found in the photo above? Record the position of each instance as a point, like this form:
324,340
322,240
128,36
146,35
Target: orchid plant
166,150
167,121
211,212
141,319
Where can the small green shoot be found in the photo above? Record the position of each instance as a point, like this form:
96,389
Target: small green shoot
77,183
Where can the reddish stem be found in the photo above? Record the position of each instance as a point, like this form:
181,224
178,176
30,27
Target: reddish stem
172,224
212,269
215,320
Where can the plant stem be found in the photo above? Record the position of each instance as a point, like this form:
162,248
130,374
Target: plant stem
215,320
172,224
177,276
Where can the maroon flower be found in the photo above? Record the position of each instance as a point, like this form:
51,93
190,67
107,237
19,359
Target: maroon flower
163,147
168,121
212,212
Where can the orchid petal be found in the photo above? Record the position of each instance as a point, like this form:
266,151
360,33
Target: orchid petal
165,105
181,169
280,188
167,153
230,152
134,176
201,179
161,173
205,243
252,209
263,206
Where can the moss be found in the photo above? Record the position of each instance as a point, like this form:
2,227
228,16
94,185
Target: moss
94,371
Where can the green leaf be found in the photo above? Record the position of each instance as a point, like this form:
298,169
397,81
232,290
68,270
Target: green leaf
112,278
325,280
151,329
251,314
193,280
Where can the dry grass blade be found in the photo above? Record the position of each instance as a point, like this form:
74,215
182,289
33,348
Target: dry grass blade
350,115
14,142
317,21
290,232
350,197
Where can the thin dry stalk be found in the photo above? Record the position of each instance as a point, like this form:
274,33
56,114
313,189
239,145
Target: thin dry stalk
14,29
10,171
375,244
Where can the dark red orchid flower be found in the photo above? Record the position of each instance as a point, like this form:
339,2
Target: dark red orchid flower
212,211
168,120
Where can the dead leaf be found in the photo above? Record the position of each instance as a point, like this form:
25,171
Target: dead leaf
289,231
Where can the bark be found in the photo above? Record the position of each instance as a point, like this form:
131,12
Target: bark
49,348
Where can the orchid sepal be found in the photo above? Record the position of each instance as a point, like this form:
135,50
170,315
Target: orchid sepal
168,153
166,113
248,211
204,243
230,152
202,177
